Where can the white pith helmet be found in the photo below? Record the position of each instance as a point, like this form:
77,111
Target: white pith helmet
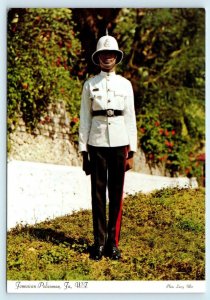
107,43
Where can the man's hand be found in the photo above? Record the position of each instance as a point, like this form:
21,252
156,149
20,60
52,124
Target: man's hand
129,161
86,163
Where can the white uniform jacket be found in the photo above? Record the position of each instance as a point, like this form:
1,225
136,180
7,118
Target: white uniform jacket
102,92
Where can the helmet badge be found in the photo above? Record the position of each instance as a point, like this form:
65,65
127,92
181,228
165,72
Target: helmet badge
107,43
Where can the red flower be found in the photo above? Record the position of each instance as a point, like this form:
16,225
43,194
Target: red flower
173,132
161,130
75,120
201,157
166,132
161,158
164,157
157,123
188,170
142,129
167,143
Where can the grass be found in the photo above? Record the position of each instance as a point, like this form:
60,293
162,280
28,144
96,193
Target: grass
162,238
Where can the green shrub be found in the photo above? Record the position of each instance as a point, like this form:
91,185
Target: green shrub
165,61
43,52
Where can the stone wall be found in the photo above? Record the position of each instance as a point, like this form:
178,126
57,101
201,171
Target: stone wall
27,147
50,142
141,166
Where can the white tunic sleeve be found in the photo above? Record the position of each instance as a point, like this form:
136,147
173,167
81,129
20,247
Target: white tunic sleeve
130,118
85,118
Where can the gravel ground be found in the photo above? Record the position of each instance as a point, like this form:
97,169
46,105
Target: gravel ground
40,191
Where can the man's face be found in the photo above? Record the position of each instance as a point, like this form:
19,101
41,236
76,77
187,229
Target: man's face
107,60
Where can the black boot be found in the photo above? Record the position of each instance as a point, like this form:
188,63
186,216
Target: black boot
113,252
97,252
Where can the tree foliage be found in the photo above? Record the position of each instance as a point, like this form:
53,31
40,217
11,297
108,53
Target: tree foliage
43,50
166,64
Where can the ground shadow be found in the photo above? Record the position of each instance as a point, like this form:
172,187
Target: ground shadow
81,245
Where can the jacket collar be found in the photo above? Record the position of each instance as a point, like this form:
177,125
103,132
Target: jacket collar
107,74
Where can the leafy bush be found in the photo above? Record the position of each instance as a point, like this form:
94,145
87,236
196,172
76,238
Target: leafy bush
43,52
166,63
163,145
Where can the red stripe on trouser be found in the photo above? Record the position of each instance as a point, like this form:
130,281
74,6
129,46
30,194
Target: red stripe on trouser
118,224
119,217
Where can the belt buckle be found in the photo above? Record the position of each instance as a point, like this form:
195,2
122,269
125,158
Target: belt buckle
110,112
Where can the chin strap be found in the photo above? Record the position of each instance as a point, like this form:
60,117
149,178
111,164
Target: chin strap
107,66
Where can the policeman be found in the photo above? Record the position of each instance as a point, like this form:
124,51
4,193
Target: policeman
107,140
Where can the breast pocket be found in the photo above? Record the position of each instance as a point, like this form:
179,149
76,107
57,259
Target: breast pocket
119,99
97,97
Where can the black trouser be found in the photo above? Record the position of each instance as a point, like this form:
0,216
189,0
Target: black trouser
107,170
